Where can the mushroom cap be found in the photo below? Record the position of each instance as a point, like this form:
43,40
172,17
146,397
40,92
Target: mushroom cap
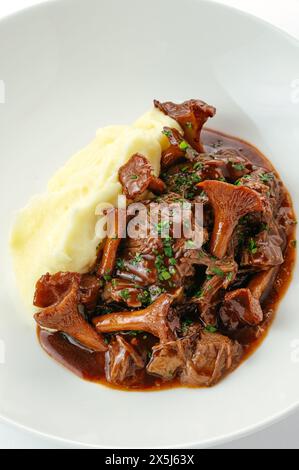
64,316
51,288
191,115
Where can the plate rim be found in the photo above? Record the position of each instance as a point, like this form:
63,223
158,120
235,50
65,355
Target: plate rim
207,443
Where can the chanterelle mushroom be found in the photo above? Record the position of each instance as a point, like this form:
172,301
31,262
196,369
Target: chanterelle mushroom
64,316
229,203
156,319
50,288
136,176
191,115
111,245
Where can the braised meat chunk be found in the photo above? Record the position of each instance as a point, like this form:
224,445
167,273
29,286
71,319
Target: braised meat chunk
136,177
123,362
198,360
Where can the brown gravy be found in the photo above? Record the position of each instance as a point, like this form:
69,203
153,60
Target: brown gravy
91,366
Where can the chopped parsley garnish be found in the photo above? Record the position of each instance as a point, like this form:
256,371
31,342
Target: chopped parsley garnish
166,132
252,247
189,124
190,244
125,294
196,179
264,227
172,261
172,270
137,259
185,325
238,166
155,291
244,220
197,166
184,145
229,276
167,247
162,226
217,271
199,294
211,329
134,177
120,263
168,251
184,182
144,297
266,177
107,277
164,276
159,262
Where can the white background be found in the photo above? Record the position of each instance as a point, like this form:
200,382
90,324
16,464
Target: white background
285,15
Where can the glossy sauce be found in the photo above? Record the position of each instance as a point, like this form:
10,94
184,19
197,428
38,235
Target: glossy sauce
91,366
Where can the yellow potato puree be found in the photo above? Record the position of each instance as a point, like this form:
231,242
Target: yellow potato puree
56,230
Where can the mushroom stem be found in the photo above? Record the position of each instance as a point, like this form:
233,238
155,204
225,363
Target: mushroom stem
111,246
109,256
153,319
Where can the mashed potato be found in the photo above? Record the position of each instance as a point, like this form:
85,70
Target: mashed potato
56,230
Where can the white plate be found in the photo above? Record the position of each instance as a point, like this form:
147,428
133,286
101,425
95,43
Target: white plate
72,66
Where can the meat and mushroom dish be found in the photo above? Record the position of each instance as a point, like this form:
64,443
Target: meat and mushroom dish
159,310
